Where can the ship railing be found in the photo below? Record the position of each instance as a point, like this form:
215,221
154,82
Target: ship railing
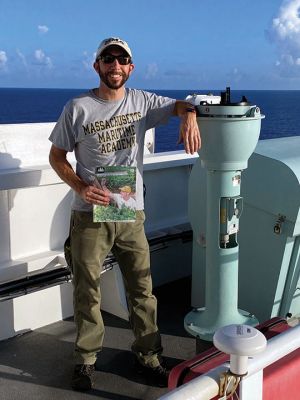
206,386
58,271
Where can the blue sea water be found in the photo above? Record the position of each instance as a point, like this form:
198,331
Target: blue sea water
281,108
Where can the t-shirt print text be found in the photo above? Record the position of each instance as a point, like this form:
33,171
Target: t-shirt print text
116,133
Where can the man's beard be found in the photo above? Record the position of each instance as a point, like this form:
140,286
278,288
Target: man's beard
105,79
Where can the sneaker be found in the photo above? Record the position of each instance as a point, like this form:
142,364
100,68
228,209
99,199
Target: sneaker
157,375
82,377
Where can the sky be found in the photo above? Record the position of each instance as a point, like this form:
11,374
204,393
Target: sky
176,44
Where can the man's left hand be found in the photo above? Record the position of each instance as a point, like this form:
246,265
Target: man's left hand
189,133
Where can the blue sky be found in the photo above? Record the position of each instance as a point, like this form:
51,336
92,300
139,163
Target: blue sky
177,44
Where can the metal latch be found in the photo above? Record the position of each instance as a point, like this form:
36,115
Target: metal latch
278,225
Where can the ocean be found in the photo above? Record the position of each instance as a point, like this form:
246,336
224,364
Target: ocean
281,108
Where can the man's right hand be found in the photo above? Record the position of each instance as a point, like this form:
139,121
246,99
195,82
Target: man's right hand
94,195
89,193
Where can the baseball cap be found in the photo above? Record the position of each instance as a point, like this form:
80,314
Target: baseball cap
113,41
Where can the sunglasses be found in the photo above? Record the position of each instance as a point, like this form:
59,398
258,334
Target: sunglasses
109,59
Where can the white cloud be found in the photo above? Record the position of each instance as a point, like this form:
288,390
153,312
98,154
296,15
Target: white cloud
3,59
43,29
236,75
42,59
285,33
22,57
151,71
88,60
87,65
286,25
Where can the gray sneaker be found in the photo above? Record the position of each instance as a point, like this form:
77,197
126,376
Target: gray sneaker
82,377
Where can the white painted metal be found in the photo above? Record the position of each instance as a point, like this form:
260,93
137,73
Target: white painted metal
252,387
278,347
196,99
35,209
23,145
206,386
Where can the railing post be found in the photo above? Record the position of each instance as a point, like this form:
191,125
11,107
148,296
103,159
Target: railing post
251,387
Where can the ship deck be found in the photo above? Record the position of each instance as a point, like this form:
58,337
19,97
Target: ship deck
39,364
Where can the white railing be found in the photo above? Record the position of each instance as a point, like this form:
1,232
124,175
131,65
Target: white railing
206,387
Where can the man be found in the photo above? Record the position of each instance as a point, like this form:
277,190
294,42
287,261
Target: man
106,126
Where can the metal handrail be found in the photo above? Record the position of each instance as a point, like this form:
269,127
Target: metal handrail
62,273
206,386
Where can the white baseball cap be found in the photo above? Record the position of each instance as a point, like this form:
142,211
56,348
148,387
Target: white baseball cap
113,41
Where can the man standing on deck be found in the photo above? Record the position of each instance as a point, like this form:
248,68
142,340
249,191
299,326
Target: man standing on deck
106,126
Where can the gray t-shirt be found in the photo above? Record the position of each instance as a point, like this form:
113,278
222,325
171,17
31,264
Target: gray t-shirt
103,133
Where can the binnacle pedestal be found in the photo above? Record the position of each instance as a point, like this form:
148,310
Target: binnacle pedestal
230,132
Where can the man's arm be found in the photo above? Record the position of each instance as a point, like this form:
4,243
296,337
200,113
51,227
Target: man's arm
89,193
189,133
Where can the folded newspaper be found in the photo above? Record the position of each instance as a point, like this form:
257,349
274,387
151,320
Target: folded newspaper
120,184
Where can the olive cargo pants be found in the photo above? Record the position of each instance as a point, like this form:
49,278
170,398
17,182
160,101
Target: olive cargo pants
90,244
